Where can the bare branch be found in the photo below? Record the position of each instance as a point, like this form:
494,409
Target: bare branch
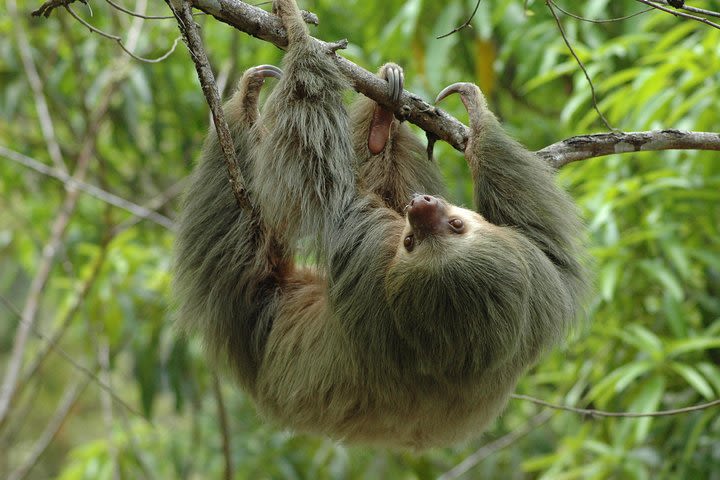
224,428
465,24
606,20
120,42
680,14
602,413
688,8
96,192
503,442
69,398
550,5
582,147
183,12
140,15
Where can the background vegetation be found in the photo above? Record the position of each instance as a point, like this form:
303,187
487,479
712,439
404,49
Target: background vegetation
107,390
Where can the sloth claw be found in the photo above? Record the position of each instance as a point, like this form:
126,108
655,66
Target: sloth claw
471,96
395,77
265,71
249,92
464,89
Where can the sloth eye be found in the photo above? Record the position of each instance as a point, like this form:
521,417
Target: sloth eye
457,225
409,243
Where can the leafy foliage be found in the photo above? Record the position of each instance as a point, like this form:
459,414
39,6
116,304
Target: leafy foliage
652,339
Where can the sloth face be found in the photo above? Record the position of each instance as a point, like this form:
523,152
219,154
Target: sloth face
432,224
457,288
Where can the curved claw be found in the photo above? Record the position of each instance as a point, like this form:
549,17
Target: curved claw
266,71
461,88
395,77
245,103
471,96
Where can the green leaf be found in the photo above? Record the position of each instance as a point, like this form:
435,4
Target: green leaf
698,344
647,400
658,271
618,380
694,378
608,279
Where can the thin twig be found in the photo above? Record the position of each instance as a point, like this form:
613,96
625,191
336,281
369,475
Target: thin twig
69,398
680,14
224,428
602,413
120,42
146,17
496,445
81,368
183,12
550,5
688,8
465,24
607,20
100,194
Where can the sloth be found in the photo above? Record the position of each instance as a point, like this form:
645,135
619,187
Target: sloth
415,318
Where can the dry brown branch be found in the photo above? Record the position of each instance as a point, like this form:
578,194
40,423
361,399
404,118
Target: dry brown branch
583,147
263,25
183,12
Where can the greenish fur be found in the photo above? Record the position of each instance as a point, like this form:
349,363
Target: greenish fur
374,344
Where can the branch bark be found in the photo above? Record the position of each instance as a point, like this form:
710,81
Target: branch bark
265,26
183,12
582,147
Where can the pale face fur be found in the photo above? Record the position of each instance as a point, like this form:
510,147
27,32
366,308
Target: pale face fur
449,242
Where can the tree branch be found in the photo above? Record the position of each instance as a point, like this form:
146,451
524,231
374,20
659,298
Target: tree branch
183,11
582,147
265,26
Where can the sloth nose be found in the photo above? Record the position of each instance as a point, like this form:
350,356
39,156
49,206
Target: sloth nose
422,199
426,215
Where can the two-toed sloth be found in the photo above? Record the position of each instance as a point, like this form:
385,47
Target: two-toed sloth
419,316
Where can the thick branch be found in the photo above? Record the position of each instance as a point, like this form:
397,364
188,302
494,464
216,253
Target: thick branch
263,25
589,146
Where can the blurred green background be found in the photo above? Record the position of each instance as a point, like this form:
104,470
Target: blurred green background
94,279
